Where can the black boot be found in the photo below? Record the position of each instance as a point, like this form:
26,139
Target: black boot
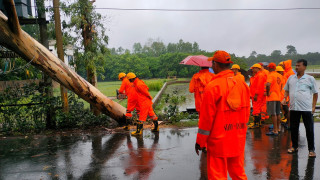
139,130
126,127
156,126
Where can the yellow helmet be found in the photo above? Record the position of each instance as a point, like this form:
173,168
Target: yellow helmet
256,65
235,66
121,75
281,63
131,75
279,68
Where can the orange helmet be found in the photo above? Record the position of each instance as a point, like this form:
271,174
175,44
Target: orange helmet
121,75
235,66
131,75
279,68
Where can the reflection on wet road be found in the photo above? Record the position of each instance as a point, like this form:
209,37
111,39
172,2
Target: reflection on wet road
166,155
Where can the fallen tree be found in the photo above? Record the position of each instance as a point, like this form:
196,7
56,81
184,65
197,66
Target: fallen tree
15,39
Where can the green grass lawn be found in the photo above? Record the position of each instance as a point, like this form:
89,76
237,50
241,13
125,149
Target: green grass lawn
109,89
313,68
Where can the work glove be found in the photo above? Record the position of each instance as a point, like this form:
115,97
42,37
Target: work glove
198,148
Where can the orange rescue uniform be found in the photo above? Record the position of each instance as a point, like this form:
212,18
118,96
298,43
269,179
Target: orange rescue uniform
275,80
239,76
224,114
132,102
264,114
197,85
144,100
257,84
288,69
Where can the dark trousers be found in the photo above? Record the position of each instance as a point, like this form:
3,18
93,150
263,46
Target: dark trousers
307,117
285,111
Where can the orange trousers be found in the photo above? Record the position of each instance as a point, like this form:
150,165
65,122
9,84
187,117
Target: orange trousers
257,106
218,167
132,104
145,112
264,114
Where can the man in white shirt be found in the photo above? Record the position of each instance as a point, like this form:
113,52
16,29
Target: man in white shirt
303,93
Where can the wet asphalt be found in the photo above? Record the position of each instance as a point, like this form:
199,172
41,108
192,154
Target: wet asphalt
168,154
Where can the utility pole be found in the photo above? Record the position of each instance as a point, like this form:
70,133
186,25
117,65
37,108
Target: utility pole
59,43
44,41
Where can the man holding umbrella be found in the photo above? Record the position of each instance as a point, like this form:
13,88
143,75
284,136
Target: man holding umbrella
200,79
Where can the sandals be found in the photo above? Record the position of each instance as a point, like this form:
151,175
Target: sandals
312,154
271,133
293,150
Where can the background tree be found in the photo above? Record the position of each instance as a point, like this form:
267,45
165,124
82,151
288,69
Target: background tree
91,45
291,50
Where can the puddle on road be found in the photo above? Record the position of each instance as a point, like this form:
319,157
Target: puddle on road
166,155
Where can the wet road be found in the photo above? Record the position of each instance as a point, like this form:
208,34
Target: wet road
166,155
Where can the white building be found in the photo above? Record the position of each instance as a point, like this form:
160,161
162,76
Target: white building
68,53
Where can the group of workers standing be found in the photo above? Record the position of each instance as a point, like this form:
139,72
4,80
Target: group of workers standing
223,103
222,100
140,100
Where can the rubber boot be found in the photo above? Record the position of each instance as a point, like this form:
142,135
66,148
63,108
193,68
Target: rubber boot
156,126
126,127
139,130
256,122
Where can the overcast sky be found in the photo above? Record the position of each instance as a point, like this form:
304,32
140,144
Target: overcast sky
239,32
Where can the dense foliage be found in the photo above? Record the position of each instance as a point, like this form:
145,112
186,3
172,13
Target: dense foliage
23,110
276,56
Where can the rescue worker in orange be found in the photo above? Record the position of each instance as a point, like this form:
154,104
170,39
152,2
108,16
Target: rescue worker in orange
225,110
237,74
284,107
264,71
198,83
264,114
257,94
132,103
274,86
144,103
288,71
287,66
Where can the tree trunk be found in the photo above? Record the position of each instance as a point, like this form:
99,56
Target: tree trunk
50,124
59,43
15,39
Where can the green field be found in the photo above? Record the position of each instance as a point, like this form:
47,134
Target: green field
313,68
109,89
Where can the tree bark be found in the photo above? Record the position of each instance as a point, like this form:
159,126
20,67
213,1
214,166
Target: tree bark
50,124
15,39
59,43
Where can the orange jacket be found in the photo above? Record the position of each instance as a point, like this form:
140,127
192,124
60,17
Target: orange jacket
288,68
143,95
265,72
284,81
275,79
197,85
239,76
257,84
224,116
127,87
